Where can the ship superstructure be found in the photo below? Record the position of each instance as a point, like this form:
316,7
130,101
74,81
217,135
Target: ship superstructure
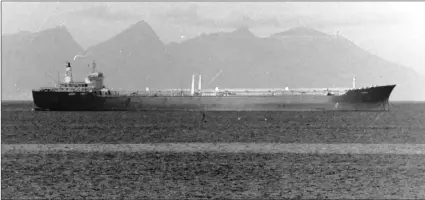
92,83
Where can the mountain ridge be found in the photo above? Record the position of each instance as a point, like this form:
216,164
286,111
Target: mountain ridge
138,56
30,59
301,31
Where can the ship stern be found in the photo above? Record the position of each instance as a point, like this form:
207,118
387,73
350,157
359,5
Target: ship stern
44,100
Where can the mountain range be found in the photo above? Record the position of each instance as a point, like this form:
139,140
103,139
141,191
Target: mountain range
136,58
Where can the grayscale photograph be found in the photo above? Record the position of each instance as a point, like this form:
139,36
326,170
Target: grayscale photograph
216,100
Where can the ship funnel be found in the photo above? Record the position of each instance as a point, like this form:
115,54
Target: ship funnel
192,89
94,66
68,73
199,82
354,81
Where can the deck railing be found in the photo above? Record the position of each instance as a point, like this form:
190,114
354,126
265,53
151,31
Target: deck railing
224,93
65,89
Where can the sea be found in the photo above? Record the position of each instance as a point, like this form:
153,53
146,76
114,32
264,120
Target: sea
404,123
240,155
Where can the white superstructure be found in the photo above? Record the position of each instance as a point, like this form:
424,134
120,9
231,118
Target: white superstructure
95,79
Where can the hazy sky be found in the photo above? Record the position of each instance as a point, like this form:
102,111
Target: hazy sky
392,30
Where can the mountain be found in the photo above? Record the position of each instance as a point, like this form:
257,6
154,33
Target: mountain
232,53
301,31
31,60
298,57
330,60
132,59
136,58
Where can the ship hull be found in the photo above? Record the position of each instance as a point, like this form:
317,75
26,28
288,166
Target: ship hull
281,103
78,101
368,99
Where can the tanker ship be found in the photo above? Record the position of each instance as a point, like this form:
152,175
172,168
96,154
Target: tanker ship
92,95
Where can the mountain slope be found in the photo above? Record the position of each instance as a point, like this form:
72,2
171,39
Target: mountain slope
31,60
334,59
210,53
300,31
131,58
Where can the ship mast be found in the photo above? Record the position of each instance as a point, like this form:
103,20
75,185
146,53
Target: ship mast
199,83
94,67
192,89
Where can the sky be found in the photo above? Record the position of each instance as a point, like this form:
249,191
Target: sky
391,30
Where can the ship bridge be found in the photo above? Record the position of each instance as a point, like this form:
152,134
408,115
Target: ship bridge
95,79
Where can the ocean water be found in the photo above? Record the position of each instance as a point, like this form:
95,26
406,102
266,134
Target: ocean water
170,175
153,175
405,124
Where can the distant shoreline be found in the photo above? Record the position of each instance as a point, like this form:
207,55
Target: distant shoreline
15,101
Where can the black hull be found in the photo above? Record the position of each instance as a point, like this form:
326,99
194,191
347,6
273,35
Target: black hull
367,99
78,101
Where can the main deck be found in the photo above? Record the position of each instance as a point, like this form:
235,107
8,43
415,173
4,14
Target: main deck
235,92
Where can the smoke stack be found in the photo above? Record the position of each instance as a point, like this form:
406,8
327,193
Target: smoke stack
68,73
354,81
199,82
192,89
